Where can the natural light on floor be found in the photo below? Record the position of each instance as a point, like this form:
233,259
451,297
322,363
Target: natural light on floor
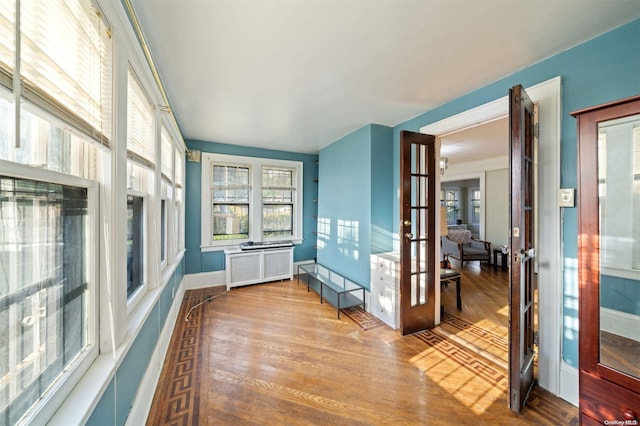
473,386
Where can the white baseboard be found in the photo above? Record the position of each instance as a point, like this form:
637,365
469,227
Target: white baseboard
204,280
620,323
144,396
569,383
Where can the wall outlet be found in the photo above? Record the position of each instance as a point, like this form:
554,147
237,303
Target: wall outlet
566,197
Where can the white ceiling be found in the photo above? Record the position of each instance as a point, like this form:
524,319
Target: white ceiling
297,75
486,141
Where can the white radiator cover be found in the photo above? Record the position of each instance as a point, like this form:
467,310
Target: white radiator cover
258,266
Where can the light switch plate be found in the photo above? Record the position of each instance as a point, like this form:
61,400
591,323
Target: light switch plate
566,197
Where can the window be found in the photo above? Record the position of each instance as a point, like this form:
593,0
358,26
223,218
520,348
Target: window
230,202
277,202
48,286
140,124
178,221
248,198
141,155
475,205
166,154
66,73
163,231
48,221
450,199
135,243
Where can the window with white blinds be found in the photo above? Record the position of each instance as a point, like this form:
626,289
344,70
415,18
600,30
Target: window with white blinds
140,122
179,168
65,61
7,45
166,153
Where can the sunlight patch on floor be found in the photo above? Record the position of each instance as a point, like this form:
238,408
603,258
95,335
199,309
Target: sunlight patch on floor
504,311
470,389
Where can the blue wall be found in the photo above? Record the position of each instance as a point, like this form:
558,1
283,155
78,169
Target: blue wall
603,69
382,193
620,294
355,201
115,404
199,261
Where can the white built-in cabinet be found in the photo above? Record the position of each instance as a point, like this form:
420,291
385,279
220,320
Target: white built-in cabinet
244,267
385,287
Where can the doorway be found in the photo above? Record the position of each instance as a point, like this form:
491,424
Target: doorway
553,374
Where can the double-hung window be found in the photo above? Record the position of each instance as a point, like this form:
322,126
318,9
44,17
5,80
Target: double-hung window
178,217
278,201
250,199
231,198
140,166
450,199
55,128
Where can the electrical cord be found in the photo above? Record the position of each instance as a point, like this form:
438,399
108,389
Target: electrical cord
186,318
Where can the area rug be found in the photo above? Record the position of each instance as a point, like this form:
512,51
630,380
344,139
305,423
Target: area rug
361,317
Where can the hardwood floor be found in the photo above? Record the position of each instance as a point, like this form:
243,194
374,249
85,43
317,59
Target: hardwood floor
272,354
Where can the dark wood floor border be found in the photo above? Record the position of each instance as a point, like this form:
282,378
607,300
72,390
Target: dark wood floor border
178,401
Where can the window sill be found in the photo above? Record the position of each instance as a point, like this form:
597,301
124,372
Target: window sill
631,274
236,246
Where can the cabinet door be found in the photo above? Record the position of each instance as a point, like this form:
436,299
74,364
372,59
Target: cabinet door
609,260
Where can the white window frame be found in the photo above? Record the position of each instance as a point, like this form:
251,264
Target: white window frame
471,200
255,165
69,378
164,230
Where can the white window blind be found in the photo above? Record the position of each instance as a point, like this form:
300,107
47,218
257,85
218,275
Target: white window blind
140,146
166,153
7,46
65,63
179,168
636,153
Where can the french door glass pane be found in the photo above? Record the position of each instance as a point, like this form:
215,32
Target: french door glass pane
619,199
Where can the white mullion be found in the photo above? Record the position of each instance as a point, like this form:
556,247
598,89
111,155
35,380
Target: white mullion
14,346
35,338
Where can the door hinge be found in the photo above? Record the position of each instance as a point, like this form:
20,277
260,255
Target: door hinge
536,130
536,338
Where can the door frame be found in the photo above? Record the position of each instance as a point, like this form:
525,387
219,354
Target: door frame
554,374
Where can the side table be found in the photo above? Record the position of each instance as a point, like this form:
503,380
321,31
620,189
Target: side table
503,260
450,276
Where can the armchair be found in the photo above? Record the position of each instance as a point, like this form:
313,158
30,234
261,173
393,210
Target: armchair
460,245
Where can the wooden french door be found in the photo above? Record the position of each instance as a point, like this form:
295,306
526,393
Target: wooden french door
521,218
417,231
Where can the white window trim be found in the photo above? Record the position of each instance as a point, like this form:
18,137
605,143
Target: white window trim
470,204
45,407
167,204
255,203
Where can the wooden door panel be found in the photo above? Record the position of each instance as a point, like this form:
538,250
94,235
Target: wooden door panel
521,285
417,231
